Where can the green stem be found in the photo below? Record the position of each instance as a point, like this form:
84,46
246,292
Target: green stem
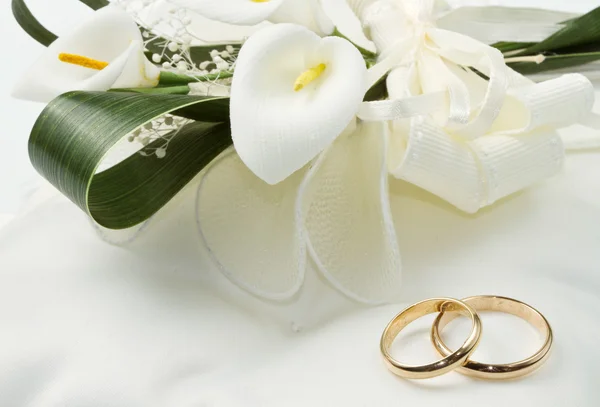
365,52
168,78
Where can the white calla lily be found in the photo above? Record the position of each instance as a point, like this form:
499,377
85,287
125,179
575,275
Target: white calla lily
104,52
292,94
250,12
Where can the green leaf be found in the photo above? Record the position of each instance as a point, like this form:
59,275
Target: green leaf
512,46
95,4
579,31
30,24
378,91
553,62
76,131
159,90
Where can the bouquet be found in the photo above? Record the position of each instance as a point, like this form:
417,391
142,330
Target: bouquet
300,124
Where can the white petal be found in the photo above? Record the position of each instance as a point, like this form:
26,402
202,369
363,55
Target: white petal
304,12
242,12
202,29
346,17
474,174
349,226
250,228
387,24
277,130
110,35
137,72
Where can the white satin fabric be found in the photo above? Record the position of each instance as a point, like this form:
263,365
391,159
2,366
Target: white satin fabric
155,324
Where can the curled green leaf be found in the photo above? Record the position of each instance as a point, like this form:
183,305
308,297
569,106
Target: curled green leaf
77,130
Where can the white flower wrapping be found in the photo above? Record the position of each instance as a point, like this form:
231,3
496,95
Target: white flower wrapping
469,140
308,175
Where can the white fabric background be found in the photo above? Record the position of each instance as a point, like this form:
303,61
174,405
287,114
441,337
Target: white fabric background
87,324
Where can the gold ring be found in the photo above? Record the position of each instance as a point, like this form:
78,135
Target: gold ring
499,304
451,361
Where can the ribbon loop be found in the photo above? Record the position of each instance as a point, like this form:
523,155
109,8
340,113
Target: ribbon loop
385,110
473,174
468,52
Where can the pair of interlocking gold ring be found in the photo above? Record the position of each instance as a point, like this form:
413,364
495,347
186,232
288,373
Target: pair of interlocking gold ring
458,360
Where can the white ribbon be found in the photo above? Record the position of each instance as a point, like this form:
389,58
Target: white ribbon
462,51
482,148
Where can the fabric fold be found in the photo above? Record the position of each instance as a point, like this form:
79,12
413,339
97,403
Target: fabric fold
250,230
345,209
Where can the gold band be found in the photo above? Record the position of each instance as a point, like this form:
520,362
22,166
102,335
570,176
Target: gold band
498,304
451,361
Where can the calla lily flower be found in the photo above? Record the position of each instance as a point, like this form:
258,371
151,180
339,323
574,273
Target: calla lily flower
292,94
105,52
308,13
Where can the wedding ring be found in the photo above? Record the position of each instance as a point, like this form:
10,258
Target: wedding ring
451,361
499,371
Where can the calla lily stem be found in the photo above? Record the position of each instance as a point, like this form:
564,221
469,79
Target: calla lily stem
168,78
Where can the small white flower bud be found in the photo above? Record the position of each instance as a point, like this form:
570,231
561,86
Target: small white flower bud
182,66
161,152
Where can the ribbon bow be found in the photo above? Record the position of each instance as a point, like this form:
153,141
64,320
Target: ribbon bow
469,140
